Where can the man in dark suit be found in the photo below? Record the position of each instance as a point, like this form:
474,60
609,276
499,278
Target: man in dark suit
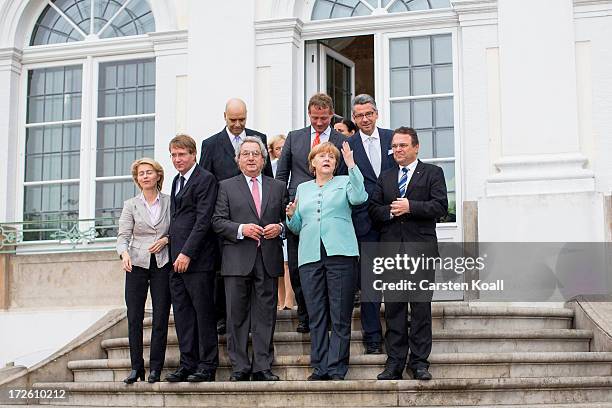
249,217
293,169
192,243
371,150
218,156
407,201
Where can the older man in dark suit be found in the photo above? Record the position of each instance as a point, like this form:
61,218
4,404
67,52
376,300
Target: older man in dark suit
371,147
192,243
408,200
218,156
293,169
249,217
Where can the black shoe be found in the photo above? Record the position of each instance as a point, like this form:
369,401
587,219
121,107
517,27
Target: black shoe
179,375
265,375
154,376
134,376
421,374
317,377
389,374
221,327
302,327
240,376
337,377
202,376
373,348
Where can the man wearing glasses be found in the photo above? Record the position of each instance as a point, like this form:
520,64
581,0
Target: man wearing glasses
293,169
249,218
371,147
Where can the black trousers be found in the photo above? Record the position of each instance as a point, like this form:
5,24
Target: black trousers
329,290
137,285
370,311
397,339
251,307
293,242
195,320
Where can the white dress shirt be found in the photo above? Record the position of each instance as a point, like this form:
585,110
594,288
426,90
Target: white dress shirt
154,209
323,137
186,176
240,235
365,139
411,167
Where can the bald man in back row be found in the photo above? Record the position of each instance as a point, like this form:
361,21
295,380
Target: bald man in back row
218,155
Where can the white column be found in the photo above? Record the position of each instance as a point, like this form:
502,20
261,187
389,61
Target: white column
10,74
221,62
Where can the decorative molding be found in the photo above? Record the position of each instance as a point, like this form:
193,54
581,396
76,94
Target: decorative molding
592,8
10,60
170,42
475,12
279,31
541,174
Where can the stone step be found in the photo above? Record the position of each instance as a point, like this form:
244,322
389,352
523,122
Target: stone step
444,341
454,317
355,393
364,367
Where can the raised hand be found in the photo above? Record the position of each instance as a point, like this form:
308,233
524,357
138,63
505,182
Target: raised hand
347,154
290,210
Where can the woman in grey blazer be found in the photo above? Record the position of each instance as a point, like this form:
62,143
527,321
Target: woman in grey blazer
142,244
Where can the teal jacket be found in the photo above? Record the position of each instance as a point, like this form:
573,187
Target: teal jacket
324,214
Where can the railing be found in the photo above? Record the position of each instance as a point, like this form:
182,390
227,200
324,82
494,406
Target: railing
58,235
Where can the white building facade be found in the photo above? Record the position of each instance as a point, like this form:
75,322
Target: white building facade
512,98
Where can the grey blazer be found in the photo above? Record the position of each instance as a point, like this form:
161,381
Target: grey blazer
137,233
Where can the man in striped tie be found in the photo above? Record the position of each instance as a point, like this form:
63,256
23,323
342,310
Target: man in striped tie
408,200
293,169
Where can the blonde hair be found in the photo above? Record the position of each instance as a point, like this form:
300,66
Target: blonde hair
275,139
156,166
326,147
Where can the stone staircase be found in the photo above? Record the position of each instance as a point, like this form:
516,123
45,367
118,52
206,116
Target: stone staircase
482,356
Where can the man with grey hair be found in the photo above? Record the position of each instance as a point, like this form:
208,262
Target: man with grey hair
218,156
249,218
372,153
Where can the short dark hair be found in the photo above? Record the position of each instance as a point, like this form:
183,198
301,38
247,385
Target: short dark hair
183,141
349,125
405,130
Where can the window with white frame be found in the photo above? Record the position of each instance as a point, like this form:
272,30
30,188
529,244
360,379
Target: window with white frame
119,130
326,9
421,96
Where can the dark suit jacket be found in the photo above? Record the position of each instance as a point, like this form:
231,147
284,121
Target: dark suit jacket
293,163
361,219
190,220
426,194
218,156
235,206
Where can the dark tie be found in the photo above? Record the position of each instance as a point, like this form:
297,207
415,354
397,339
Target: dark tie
181,183
403,181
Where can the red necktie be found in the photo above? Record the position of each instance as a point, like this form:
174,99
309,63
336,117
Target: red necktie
316,140
255,194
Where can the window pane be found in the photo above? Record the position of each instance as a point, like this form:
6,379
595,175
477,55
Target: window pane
47,208
443,52
444,112
421,114
110,196
52,152
125,88
421,81
400,82
54,94
425,144
399,50
420,51
445,143
400,114
443,79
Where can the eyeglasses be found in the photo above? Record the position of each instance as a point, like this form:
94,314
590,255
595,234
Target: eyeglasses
246,153
367,115
400,146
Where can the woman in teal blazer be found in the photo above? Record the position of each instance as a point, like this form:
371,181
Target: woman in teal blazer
327,255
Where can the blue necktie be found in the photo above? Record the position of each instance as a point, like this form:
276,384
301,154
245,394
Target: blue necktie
403,181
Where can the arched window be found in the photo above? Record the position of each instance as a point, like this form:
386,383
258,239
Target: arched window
88,118
326,9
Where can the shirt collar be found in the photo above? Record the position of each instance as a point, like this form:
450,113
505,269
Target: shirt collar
248,178
189,172
374,134
232,136
326,132
142,197
411,166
